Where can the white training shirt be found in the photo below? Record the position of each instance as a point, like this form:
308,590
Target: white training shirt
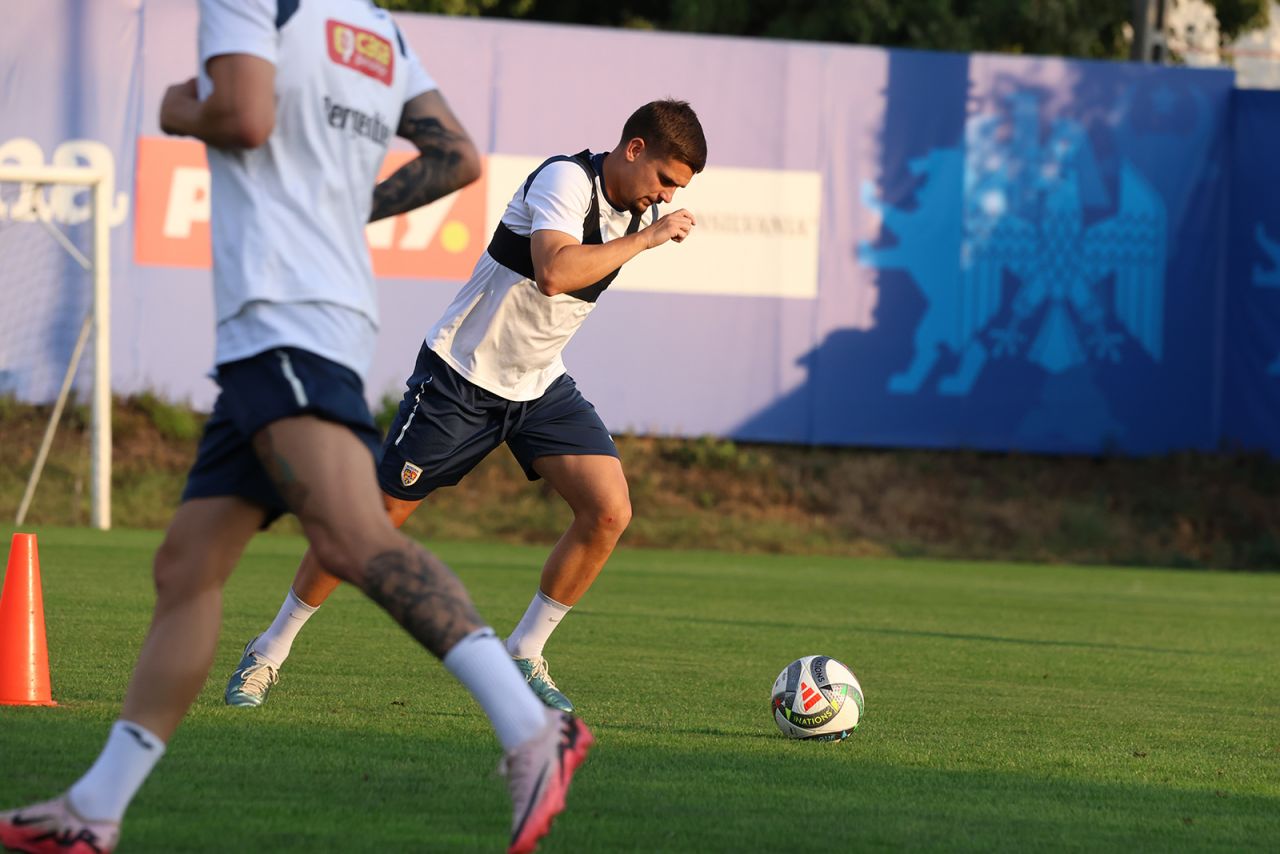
502,333
290,262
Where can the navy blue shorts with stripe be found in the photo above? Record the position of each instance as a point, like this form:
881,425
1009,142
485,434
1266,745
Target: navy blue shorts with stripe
256,391
446,425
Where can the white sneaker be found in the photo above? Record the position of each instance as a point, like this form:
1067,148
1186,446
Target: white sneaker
538,774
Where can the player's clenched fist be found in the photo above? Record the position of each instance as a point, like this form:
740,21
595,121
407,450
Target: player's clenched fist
674,226
180,101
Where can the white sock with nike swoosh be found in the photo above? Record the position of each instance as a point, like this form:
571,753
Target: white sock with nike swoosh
536,626
481,663
276,642
104,792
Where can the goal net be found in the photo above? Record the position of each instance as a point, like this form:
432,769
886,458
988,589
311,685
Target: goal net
54,309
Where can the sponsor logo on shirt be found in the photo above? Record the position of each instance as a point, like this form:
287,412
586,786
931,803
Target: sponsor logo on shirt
361,50
356,122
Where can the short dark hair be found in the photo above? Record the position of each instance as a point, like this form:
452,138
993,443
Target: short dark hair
672,129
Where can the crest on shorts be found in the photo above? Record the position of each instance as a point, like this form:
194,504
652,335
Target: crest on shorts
409,474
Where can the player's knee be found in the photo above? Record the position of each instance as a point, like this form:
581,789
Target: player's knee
179,569
609,520
334,553
164,570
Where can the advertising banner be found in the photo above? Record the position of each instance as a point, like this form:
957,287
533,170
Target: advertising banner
894,248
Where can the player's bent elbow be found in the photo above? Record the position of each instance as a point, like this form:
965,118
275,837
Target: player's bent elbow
252,132
551,268
470,168
544,279
548,285
227,124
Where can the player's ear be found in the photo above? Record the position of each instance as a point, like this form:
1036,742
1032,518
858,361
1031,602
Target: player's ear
635,147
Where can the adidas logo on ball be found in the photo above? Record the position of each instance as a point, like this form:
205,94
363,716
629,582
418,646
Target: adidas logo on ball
817,697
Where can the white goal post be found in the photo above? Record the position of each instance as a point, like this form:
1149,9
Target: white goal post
30,206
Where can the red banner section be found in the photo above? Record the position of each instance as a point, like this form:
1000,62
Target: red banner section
171,204
439,241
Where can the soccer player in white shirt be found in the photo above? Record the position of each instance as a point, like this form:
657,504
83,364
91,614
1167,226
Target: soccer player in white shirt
296,103
490,372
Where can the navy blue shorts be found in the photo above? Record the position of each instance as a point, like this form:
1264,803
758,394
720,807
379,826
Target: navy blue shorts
447,425
277,384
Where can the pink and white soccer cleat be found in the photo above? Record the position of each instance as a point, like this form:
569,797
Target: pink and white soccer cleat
54,827
538,774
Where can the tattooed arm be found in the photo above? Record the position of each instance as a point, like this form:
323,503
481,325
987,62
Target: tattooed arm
447,159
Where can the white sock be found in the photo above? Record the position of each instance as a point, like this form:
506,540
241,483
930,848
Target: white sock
104,793
275,643
481,663
536,626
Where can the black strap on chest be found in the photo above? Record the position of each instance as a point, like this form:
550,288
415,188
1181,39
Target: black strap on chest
284,11
515,252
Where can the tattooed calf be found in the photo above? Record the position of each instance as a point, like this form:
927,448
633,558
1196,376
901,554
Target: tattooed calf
423,595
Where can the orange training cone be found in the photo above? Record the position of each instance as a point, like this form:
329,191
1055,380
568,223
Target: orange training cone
24,657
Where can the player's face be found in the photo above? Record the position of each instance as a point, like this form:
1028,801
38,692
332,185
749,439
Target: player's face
656,180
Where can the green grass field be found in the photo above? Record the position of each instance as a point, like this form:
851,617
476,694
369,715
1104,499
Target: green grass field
1009,707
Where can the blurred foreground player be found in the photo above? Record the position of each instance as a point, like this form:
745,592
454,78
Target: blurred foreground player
296,103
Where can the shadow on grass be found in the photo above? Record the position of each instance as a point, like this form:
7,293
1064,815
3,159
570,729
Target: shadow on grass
921,633
287,785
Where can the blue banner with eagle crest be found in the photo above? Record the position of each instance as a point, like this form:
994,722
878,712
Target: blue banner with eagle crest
1043,240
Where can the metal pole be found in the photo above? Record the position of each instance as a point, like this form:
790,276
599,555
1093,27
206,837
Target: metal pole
100,493
1159,53
1141,30
52,426
1149,18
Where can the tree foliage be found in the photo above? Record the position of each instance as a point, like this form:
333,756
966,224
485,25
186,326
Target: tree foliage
1238,16
1078,28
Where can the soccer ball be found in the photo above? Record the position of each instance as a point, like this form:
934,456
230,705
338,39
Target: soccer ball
817,697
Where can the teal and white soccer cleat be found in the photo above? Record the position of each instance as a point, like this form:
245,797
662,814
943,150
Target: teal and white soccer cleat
538,774
54,827
252,679
535,673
